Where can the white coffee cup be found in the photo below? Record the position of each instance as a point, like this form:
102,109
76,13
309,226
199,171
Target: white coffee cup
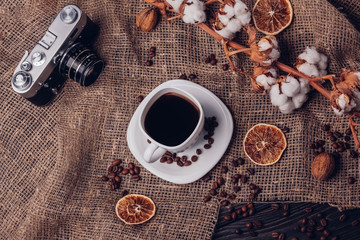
156,149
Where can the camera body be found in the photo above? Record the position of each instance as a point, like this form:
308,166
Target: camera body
60,54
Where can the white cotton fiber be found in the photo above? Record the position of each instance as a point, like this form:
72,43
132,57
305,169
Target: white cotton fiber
299,99
234,25
264,45
310,55
273,72
274,54
175,4
309,69
225,33
195,12
290,87
323,63
266,81
345,107
230,12
277,98
338,112
287,108
357,74
224,19
322,73
304,85
275,42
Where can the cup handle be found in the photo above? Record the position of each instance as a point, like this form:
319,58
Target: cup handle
153,153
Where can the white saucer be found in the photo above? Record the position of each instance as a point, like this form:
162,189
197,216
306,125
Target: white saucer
212,106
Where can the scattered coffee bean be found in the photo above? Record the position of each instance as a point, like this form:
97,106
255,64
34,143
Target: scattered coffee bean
233,215
335,145
323,238
351,180
334,238
169,161
194,158
149,63
183,76
115,169
286,213
252,186
286,207
184,158
355,223
206,178
116,162
220,181
312,222
213,62
151,54
248,225
342,218
320,228
227,217
236,189
152,49
225,67
338,134
251,211
124,193
258,223
125,171
207,198
234,163
326,127
131,165
163,159
303,229
120,168
347,138
308,209
223,194
212,56
329,133
245,214
112,175
180,163
303,221
238,211
251,171
354,154
282,236
224,203
323,222
244,178
132,172
135,177
207,146
320,150
110,169
234,180
198,151
224,169
275,235
210,140
187,163
275,206
348,131
294,238
232,196
241,161
285,129
237,176
333,138
192,76
137,170
215,185
326,233
104,178
212,192
244,208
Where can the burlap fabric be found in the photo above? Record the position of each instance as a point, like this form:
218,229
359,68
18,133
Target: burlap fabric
52,157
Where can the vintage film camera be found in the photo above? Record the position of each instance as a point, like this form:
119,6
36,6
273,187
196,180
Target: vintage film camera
60,54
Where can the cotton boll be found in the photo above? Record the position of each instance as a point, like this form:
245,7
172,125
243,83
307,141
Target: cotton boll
274,54
224,19
277,98
273,72
266,81
310,55
323,63
322,73
234,25
299,99
358,75
338,112
264,45
275,42
304,85
175,4
309,69
244,19
226,33
267,62
290,87
242,12
343,104
194,13
356,98
287,108
229,10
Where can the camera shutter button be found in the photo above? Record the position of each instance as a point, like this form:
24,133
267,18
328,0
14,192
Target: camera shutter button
21,80
68,14
38,58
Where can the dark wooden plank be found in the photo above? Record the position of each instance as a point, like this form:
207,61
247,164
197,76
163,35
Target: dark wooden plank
274,221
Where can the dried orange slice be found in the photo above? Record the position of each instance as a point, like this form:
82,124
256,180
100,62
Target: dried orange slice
272,16
264,144
135,209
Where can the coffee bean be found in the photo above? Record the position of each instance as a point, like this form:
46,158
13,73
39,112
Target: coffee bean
211,56
234,163
194,158
117,179
187,163
207,60
238,231
206,137
116,162
312,222
326,127
321,142
215,185
104,178
149,63
244,208
252,186
237,176
213,62
286,213
233,215
348,131
347,145
245,214
212,192
244,178
110,169
224,169
321,150
351,180
313,146
238,211
225,67
224,203
285,129
251,171
275,234
137,170
329,133
192,76
253,233
227,217
320,228
303,221
294,238
132,172
234,180
251,211
326,233
183,76
131,165
148,141
207,198
112,187
115,169
198,151
125,171
347,138
220,181
207,146
222,194
333,138
334,238
308,209
258,223
210,140
286,207
303,229
151,54
135,177
176,159
282,236
169,161
232,196
206,178
355,223
354,154
322,238
248,225
236,189
112,175
335,145
342,218
323,222
180,163
152,49
275,206
338,134
163,159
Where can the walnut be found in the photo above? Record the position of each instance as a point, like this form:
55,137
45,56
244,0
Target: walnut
146,20
323,166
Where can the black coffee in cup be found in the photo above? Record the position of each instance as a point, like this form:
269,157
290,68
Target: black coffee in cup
171,119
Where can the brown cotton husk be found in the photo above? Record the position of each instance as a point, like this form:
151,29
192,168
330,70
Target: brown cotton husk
257,55
258,70
334,98
347,82
299,62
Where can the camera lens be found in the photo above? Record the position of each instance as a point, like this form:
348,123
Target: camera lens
80,64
